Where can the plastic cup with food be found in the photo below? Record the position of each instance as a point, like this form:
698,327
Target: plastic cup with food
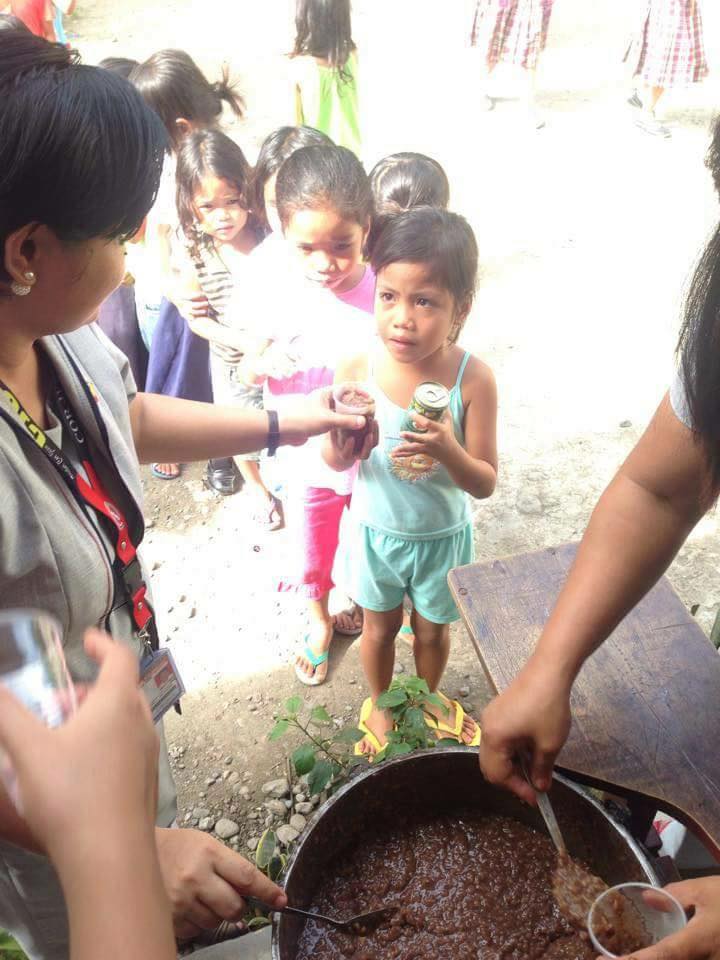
631,916
353,398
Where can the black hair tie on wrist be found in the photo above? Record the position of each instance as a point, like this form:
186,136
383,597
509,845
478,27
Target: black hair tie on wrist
273,440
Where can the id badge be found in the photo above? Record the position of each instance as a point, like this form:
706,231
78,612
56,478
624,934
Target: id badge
161,682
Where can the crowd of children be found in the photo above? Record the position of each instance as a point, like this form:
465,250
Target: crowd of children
254,287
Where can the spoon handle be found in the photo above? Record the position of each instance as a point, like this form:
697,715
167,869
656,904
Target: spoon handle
545,807
258,904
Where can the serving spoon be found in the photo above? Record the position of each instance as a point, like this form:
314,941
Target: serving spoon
360,925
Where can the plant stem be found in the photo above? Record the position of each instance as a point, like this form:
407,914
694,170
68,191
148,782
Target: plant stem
318,743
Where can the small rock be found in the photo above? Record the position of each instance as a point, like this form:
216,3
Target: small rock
253,707
191,613
269,820
188,816
202,795
210,781
287,834
398,668
206,824
156,565
252,843
624,424
225,829
304,807
276,807
276,788
226,775
300,798
233,777
468,707
149,524
182,598
228,761
464,692
298,822
352,681
200,813
528,503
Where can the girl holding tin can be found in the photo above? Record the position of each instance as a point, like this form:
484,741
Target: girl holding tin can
436,407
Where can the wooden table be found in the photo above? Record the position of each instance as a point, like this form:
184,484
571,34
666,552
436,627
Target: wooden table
646,705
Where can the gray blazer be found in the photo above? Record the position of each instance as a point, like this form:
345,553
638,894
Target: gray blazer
51,556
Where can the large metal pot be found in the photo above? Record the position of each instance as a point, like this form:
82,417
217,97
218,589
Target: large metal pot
441,778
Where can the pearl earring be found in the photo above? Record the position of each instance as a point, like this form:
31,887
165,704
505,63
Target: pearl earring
23,289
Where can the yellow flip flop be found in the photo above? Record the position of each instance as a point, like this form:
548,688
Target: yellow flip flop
365,711
456,730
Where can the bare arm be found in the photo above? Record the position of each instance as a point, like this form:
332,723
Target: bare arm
166,429
637,527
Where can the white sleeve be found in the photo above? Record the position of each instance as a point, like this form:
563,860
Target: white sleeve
679,400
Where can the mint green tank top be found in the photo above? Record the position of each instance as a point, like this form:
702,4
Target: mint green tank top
415,500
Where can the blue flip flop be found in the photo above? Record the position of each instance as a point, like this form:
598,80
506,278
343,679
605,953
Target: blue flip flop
316,659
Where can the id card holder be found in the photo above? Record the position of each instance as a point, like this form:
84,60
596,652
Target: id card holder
161,682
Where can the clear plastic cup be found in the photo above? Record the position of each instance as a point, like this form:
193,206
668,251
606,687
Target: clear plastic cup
629,911
33,669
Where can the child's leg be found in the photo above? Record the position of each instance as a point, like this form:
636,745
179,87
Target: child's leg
266,508
318,641
431,650
377,655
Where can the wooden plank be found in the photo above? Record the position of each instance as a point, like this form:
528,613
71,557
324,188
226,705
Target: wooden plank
646,705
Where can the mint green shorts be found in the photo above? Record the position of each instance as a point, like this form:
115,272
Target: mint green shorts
377,570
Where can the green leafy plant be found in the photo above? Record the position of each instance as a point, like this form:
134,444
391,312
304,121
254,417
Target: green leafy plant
270,861
409,700
10,949
326,757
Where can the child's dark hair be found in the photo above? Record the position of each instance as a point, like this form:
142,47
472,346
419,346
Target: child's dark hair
122,66
324,30
208,153
79,150
442,240
175,87
402,181
9,21
324,177
276,148
699,342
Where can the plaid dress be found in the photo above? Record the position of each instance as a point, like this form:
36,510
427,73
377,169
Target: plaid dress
511,31
668,49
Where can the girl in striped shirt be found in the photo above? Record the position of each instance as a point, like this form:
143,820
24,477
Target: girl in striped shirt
219,229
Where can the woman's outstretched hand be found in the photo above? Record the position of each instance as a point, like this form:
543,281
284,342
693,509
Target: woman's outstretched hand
530,718
312,416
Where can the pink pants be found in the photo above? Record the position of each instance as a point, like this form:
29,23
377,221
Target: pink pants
320,533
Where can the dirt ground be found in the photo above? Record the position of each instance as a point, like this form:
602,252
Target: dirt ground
587,229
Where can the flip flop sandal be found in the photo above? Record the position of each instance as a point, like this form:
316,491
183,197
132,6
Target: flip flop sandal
316,659
161,475
407,634
454,731
365,711
355,631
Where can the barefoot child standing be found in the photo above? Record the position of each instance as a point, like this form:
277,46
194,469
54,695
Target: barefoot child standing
410,510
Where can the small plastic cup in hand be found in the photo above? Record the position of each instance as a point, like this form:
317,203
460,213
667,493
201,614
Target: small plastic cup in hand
352,398
631,916
33,669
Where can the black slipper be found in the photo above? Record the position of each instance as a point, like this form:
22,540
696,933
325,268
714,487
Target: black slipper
223,476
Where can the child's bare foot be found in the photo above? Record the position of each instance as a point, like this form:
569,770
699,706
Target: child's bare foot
379,723
317,644
166,471
349,622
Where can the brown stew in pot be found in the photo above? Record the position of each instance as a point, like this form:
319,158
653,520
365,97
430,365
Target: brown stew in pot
466,887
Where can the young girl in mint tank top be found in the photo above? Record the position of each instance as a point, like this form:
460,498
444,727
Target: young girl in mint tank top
410,513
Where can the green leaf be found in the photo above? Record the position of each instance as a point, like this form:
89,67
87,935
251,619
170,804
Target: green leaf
293,704
446,742
320,776
276,867
257,923
391,698
304,758
415,720
396,749
265,849
437,701
348,735
281,727
416,685
320,716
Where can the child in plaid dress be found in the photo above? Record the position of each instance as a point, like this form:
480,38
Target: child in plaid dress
667,51
512,32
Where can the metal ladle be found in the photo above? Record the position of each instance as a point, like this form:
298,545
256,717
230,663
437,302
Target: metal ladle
360,925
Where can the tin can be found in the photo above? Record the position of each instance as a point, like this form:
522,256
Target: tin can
430,400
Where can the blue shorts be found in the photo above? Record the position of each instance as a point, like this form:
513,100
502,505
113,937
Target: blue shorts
377,570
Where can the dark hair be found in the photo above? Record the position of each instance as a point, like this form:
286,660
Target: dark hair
276,148
324,29
699,342
442,240
175,87
79,150
122,66
402,181
208,153
324,177
9,21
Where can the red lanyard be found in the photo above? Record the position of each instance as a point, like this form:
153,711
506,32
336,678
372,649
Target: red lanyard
89,493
